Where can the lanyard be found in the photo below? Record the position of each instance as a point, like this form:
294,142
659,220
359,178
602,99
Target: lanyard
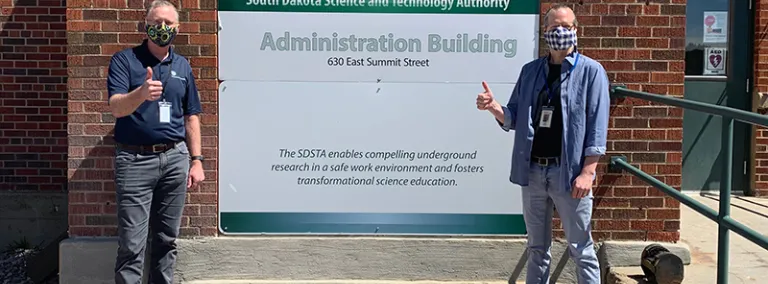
164,81
550,92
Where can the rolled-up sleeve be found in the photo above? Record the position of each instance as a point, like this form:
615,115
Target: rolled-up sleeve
598,109
510,110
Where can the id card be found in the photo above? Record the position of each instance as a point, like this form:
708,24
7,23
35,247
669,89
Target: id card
165,112
546,117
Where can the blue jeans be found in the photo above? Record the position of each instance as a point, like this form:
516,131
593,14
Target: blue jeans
539,197
151,191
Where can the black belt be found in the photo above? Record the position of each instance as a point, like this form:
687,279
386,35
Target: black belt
546,161
154,149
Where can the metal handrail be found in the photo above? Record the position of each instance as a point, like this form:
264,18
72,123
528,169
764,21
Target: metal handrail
735,226
723,111
722,216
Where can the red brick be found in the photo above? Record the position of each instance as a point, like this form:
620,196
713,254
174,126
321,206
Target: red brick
664,214
761,73
649,202
646,225
94,36
633,54
663,236
618,225
630,53
628,214
34,94
649,134
629,235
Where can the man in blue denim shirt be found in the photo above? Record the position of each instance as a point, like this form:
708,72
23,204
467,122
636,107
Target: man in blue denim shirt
559,111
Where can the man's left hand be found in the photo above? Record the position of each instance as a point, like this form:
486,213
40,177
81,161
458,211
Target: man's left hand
196,175
582,186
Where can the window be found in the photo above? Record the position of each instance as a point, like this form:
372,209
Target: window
706,37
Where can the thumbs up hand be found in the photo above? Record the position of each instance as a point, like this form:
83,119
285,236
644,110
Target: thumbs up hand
485,100
152,89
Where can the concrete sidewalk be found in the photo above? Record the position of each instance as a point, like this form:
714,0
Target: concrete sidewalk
748,261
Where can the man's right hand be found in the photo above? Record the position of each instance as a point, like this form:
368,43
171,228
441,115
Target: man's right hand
485,100
152,89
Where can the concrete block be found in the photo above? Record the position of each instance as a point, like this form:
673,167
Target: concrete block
87,260
359,258
620,253
283,258
38,217
627,253
91,260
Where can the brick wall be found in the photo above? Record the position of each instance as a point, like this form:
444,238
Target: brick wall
640,45
96,30
761,85
33,95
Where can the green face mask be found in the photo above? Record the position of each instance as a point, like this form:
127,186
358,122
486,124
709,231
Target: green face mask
161,34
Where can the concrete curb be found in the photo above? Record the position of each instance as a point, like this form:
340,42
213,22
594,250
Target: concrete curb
91,260
614,254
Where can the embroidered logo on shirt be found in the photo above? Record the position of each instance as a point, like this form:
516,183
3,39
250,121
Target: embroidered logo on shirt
173,75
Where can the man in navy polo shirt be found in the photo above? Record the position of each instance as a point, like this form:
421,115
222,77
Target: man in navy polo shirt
152,94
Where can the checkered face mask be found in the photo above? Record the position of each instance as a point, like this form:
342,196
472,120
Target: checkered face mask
560,38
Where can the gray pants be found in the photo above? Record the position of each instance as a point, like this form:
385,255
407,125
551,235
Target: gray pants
151,191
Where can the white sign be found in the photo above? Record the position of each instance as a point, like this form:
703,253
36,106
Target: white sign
385,148
360,118
385,47
715,27
715,61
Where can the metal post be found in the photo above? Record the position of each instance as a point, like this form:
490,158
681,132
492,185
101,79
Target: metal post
723,240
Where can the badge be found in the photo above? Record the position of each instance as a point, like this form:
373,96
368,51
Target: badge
546,117
165,112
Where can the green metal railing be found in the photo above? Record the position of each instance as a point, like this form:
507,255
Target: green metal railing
721,217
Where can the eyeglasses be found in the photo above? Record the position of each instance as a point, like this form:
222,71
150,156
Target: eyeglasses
566,26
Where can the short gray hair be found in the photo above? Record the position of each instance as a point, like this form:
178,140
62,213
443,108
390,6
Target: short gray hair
546,15
161,3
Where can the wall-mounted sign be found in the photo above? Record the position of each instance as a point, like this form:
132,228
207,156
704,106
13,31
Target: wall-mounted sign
359,117
715,27
715,61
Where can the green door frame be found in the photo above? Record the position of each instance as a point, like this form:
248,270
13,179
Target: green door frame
739,84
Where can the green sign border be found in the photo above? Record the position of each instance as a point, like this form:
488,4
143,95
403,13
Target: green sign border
370,223
516,7
248,223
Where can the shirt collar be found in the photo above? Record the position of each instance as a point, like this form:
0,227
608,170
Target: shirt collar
570,58
145,50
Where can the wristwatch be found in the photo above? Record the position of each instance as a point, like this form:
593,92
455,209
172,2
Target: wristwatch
197,158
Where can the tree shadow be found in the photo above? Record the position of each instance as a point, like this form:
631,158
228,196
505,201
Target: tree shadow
33,128
92,181
33,117
33,78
